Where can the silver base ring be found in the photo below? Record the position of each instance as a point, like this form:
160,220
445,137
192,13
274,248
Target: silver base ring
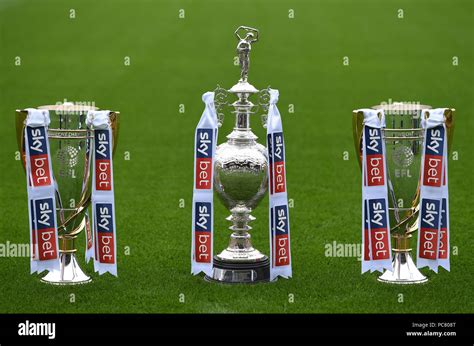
69,274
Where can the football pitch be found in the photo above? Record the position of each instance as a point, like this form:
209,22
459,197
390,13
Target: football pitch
152,61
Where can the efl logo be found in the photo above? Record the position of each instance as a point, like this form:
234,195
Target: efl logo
379,233
433,156
105,233
202,228
39,161
278,163
204,138
443,241
103,169
282,246
430,215
46,229
374,156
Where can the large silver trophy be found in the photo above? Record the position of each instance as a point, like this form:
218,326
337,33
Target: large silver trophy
70,145
240,179
403,136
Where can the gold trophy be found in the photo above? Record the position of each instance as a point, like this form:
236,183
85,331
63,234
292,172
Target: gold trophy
71,152
403,136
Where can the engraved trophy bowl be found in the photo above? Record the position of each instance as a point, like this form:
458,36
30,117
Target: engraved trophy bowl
403,136
70,147
241,174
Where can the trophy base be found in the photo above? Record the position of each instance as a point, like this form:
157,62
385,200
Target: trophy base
240,273
404,271
69,274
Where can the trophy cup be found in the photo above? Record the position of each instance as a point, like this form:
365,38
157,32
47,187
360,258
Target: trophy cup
241,173
403,137
70,146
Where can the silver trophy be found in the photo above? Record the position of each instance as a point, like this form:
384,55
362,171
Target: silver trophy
403,136
240,179
70,145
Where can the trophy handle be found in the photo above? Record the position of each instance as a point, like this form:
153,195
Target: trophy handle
221,101
20,138
449,116
263,105
357,128
115,125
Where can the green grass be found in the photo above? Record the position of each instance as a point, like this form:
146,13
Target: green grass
173,61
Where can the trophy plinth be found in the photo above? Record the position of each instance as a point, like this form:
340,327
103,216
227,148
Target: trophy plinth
241,178
241,273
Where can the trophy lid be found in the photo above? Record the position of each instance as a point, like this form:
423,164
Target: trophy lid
243,87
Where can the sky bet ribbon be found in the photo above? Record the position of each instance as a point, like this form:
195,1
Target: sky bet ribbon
41,193
377,254
103,210
279,222
203,203
433,237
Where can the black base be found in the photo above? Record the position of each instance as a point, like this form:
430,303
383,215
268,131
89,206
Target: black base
240,273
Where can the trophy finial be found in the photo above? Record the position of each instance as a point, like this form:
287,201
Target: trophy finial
246,36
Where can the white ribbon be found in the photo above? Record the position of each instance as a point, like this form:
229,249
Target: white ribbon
202,248
41,193
375,219
279,222
433,236
103,204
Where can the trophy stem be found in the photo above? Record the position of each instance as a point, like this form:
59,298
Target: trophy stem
240,247
240,262
404,270
69,273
